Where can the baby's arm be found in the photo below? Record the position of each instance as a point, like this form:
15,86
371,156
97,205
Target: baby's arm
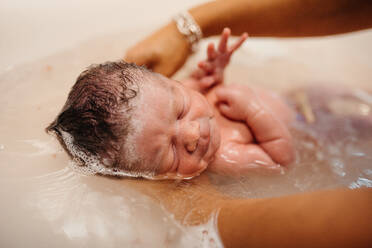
210,72
271,134
236,159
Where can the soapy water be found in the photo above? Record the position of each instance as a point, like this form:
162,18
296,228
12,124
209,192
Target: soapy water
335,150
45,203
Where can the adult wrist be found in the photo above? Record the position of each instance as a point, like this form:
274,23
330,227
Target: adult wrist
177,38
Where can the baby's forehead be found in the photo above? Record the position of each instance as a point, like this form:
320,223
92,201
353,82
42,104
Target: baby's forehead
157,95
160,82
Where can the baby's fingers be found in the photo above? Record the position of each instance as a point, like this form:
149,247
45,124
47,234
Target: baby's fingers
198,73
241,40
222,46
208,81
223,94
228,110
224,108
229,104
206,66
211,52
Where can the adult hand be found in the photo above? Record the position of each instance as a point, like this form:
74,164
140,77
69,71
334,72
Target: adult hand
165,51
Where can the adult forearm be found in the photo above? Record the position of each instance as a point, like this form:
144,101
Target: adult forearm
284,18
339,218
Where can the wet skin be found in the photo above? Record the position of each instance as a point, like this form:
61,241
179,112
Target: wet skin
179,135
184,132
200,123
254,130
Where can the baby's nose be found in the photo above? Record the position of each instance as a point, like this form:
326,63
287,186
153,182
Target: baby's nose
191,135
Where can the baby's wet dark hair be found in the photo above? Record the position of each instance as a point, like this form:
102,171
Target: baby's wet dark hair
97,113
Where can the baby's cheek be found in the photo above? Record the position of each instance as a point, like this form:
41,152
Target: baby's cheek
187,168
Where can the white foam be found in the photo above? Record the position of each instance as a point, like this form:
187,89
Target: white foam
136,125
205,235
88,164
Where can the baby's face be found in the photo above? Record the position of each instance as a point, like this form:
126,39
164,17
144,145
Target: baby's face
179,135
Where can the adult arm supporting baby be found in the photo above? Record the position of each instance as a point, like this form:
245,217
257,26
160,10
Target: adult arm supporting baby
166,50
285,18
332,218
335,218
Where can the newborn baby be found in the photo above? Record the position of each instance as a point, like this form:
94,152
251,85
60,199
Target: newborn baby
121,119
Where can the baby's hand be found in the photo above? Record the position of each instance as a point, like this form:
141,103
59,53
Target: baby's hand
210,71
233,101
271,134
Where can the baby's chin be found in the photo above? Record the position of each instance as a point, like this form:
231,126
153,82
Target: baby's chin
177,176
